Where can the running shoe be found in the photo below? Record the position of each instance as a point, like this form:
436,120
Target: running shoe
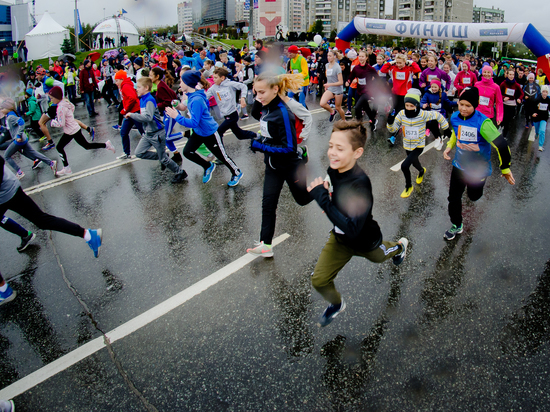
116,127
407,192
92,133
65,171
331,117
348,114
391,139
305,153
53,166
208,173
7,296
25,241
124,156
95,241
179,177
177,157
109,146
42,139
20,175
330,313
541,149
420,177
373,124
439,143
235,180
244,117
527,126
48,146
398,259
261,250
453,231
35,164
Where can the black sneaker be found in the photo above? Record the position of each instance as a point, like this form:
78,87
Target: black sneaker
398,259
25,241
453,231
330,313
177,157
35,164
305,154
180,177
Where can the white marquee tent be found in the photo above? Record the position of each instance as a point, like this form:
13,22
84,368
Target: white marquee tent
108,28
45,39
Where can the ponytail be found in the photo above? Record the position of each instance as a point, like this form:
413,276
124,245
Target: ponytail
285,82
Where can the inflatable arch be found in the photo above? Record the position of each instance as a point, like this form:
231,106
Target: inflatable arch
488,32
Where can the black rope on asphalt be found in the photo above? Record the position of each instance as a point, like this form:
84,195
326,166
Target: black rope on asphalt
110,350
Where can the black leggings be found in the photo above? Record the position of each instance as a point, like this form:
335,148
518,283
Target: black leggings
363,105
231,122
215,144
36,128
459,182
294,173
66,139
23,205
509,113
412,158
433,126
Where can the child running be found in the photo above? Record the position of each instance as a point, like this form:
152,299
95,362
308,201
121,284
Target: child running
436,99
284,160
130,104
71,129
540,117
205,128
155,136
474,134
346,197
413,120
334,87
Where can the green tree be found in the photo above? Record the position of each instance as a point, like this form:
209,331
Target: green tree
148,42
371,39
317,27
409,43
460,47
333,35
67,46
485,49
208,32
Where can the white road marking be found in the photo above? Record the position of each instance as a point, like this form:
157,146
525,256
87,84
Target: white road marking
88,349
532,134
397,167
112,165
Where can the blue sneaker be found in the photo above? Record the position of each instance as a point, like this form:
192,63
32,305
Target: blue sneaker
330,313
398,259
95,241
208,173
92,133
7,296
331,117
48,146
391,139
235,180
116,127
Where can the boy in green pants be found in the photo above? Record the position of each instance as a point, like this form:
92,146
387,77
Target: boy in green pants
346,197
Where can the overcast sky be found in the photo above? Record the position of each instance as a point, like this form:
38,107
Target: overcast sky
163,12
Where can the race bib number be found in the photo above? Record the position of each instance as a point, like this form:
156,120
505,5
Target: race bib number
263,129
510,92
338,230
223,95
435,106
432,77
543,107
362,81
467,134
537,80
329,72
484,101
90,80
411,133
466,80
400,75
295,71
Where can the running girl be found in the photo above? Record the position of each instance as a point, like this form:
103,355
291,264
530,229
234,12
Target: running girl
334,88
365,75
490,97
436,99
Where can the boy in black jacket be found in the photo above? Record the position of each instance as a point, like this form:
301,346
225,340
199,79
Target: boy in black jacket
346,197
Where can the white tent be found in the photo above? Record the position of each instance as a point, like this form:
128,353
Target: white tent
45,39
109,29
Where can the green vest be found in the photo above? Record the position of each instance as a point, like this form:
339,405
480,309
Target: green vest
298,66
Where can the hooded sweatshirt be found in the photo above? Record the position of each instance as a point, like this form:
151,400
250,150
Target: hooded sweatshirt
436,73
149,115
464,79
200,119
512,90
65,118
489,96
225,95
34,110
130,100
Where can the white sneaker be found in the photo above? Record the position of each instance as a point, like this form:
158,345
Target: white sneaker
65,171
109,146
53,166
439,143
124,156
261,250
541,149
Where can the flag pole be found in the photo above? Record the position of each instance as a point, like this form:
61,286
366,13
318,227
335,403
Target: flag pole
76,38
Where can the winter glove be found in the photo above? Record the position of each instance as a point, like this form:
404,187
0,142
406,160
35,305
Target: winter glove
447,132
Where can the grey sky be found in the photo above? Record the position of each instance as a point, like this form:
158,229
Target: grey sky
163,12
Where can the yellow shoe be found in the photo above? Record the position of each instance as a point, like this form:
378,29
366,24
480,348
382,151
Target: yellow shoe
419,179
407,192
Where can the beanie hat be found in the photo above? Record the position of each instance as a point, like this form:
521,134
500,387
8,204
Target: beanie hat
436,81
138,61
544,88
85,62
531,76
121,75
49,82
352,55
41,71
219,64
487,68
191,78
56,93
293,49
413,96
471,95
29,91
247,59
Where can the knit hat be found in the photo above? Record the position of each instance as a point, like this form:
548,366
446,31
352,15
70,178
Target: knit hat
471,95
121,75
352,55
487,68
436,81
138,61
247,59
29,91
41,71
413,96
293,49
191,78
545,88
56,93
85,62
531,76
219,64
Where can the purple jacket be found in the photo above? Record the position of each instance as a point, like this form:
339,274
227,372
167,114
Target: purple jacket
427,76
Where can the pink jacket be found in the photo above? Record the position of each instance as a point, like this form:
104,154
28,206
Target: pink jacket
489,95
460,84
65,118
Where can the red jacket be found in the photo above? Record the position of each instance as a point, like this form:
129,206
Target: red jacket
87,86
164,96
130,100
401,78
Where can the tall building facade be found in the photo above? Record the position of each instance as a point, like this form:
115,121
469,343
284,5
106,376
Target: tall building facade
483,15
185,17
451,11
338,13
242,13
218,12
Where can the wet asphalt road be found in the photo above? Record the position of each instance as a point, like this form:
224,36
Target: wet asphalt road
461,325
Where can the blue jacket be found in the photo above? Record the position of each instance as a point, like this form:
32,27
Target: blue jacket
201,121
434,103
211,56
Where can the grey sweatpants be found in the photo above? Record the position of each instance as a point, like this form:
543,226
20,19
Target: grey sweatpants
26,150
158,141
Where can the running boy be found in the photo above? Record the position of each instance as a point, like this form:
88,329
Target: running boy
346,198
540,117
474,134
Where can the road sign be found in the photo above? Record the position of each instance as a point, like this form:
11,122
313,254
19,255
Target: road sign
429,42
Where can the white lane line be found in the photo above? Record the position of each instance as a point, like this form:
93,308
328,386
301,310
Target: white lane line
532,134
397,167
88,349
112,165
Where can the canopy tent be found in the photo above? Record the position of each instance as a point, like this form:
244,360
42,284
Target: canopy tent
45,39
108,28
